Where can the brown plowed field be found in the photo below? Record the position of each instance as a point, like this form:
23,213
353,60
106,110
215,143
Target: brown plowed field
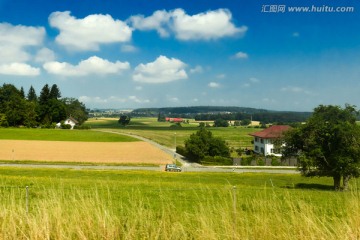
92,152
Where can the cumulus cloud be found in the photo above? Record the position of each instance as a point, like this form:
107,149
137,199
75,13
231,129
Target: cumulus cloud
157,21
241,55
208,25
197,69
15,39
296,34
45,55
128,48
162,70
19,69
112,99
214,85
294,89
138,100
88,33
92,65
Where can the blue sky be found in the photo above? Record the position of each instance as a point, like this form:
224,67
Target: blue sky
161,53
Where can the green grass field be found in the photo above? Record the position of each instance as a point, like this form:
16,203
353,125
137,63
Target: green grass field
61,135
164,134
89,204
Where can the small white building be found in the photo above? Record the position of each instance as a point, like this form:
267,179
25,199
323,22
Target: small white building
71,121
264,140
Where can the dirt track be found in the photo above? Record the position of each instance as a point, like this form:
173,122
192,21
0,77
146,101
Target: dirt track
100,152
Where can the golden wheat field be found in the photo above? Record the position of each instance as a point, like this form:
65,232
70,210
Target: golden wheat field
87,152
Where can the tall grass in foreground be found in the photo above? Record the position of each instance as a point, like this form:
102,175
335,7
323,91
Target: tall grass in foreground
61,212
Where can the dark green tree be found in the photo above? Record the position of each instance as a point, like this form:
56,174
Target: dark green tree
76,109
245,122
221,123
161,117
12,104
54,92
31,96
328,144
124,120
22,93
202,144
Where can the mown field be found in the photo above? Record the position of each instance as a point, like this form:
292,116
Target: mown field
22,145
164,134
61,135
89,204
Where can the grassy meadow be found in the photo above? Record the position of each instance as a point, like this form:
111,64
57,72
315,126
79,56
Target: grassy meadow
89,204
164,134
61,135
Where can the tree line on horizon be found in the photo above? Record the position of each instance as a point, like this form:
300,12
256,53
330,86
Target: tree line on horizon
31,110
208,113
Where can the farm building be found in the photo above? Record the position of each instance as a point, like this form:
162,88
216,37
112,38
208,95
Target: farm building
71,121
264,140
175,120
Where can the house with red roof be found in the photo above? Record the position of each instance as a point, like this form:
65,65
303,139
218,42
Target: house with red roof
264,140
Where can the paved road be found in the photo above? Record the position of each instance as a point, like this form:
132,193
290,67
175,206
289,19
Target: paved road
186,166
139,168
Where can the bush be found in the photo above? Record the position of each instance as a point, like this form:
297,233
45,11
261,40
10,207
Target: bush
82,127
176,125
246,161
65,126
275,161
217,160
181,150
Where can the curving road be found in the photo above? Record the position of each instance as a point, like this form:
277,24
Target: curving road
186,166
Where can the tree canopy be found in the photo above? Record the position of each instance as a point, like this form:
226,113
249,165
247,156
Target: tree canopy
124,120
328,144
32,111
202,144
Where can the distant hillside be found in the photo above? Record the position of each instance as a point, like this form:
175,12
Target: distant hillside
198,110
202,113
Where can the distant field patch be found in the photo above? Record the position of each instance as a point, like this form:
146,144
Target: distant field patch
84,152
62,135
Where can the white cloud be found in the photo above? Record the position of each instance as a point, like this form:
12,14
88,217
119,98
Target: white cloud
294,89
206,26
241,55
156,21
128,48
45,55
197,69
138,100
112,99
214,85
88,33
203,26
138,88
92,65
173,99
296,34
19,69
15,39
221,76
162,70
254,80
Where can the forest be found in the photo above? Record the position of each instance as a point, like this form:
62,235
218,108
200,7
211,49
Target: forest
212,113
30,110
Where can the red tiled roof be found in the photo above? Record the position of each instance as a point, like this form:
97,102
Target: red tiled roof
272,132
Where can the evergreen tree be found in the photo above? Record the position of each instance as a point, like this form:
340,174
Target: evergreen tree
54,92
22,93
31,96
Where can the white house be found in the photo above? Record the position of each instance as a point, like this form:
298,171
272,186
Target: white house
71,121
264,140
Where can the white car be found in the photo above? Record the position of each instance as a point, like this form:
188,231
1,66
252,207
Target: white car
172,168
